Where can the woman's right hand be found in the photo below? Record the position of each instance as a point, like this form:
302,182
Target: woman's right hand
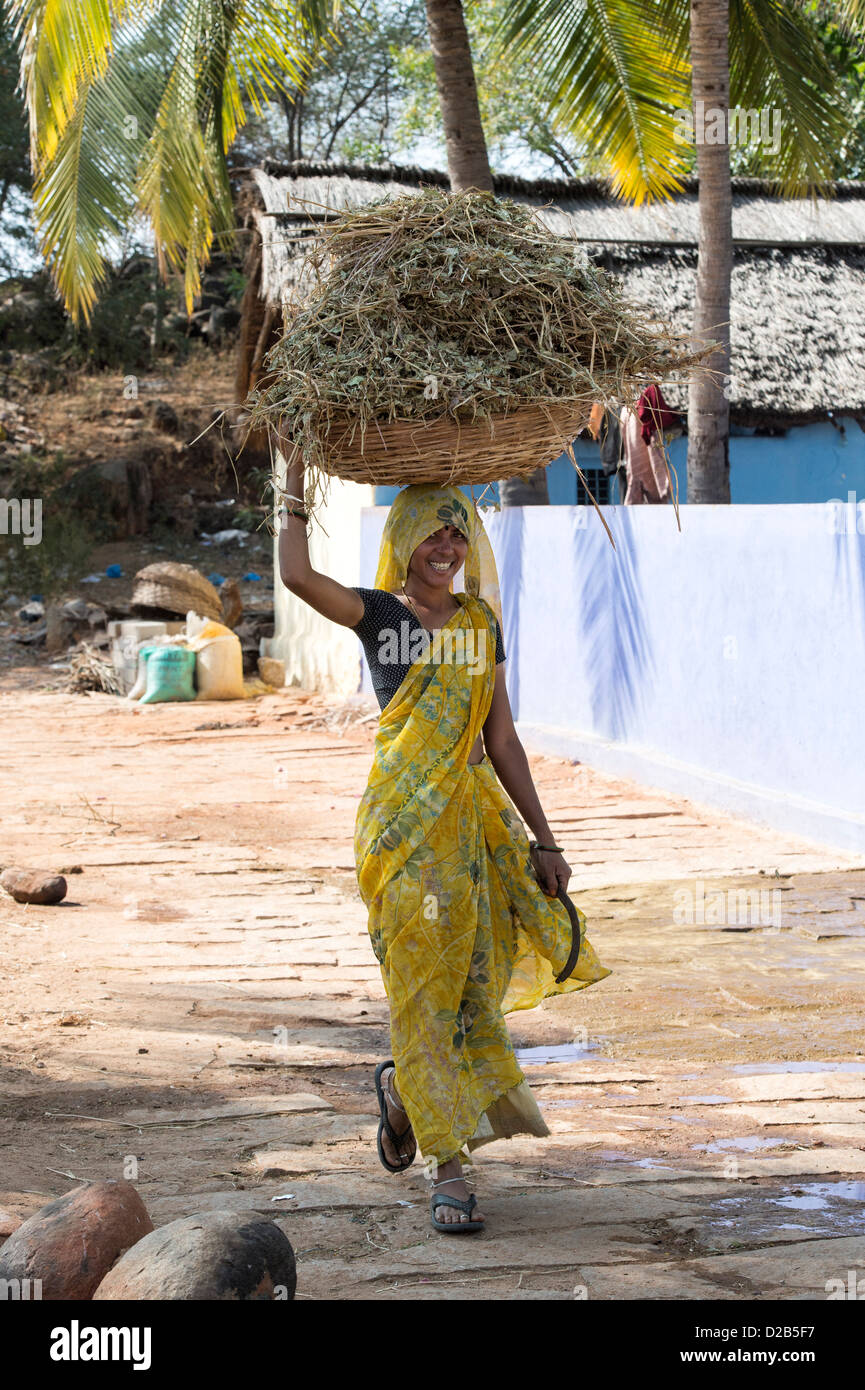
552,869
293,461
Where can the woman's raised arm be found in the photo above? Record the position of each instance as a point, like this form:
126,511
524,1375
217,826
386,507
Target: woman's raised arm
328,597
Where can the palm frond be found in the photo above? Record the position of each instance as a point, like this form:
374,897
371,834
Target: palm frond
133,105
61,44
851,13
778,63
84,196
613,76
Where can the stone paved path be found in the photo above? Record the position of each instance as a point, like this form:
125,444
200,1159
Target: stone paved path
204,1014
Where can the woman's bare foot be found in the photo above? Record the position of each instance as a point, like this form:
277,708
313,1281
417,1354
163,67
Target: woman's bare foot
453,1170
399,1122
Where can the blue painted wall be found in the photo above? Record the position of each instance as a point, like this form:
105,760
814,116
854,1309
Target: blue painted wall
725,662
811,463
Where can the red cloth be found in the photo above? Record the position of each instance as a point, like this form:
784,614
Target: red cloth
645,464
654,414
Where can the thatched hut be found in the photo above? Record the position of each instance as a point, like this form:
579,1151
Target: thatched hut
798,301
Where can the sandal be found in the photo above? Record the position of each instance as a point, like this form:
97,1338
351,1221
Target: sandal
453,1228
386,1127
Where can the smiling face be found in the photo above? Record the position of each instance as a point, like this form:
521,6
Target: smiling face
436,560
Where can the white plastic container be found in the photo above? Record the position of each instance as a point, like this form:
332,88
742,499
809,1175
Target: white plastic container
127,636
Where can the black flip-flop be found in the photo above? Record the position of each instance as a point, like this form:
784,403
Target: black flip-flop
454,1228
385,1126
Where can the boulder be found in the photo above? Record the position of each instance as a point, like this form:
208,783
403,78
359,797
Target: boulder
34,886
271,670
8,1223
119,491
71,1244
220,1256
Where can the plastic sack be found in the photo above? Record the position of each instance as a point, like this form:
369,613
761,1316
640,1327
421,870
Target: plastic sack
157,643
170,675
219,668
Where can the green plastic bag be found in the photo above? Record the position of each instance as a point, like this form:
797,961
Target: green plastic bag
170,675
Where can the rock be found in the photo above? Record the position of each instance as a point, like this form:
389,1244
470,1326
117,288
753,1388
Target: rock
34,638
77,608
223,319
164,417
59,627
120,489
33,886
271,670
71,1244
232,603
219,1256
31,612
8,1223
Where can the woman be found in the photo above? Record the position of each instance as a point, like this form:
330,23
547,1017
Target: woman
458,920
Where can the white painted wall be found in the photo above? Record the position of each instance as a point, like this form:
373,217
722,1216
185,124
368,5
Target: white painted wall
318,654
725,663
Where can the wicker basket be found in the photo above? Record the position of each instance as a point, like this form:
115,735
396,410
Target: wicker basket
176,588
445,450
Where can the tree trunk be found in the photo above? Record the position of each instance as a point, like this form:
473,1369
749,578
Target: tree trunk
156,325
528,490
468,162
708,406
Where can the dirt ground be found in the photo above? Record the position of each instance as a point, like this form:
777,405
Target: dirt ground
203,1014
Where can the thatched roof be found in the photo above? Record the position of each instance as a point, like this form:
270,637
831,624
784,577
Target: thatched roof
798,305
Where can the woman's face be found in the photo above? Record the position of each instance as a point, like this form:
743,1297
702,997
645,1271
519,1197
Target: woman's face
436,560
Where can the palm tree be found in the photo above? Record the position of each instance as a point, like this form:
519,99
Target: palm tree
708,404
468,163
132,109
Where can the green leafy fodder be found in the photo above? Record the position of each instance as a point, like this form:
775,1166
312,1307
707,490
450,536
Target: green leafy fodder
462,305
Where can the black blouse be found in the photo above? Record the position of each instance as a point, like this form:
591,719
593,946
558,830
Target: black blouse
389,646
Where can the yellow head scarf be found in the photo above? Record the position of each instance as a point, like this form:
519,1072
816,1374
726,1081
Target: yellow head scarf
416,513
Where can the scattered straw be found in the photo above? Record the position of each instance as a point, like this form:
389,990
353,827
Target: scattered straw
89,671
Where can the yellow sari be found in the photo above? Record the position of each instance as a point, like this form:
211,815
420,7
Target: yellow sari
458,922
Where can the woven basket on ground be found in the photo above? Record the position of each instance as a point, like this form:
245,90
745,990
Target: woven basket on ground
481,451
177,588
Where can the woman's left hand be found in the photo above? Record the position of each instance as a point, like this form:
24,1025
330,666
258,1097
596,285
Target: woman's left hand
551,869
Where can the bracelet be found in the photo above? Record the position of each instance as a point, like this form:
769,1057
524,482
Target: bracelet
547,849
292,511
